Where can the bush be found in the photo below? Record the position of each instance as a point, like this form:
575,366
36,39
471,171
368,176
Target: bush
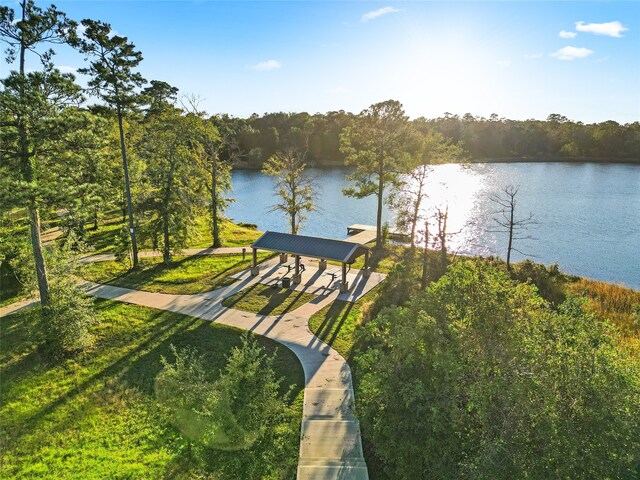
66,322
549,281
479,378
252,226
238,425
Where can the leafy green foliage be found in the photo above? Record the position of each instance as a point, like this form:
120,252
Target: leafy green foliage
549,281
377,145
478,378
241,410
68,319
172,191
293,187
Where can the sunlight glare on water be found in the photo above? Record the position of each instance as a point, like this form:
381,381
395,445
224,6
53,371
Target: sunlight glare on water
588,214
457,188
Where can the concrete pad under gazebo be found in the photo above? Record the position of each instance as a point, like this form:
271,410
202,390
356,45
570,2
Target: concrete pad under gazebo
315,247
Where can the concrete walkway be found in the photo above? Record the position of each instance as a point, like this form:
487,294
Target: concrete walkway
17,306
330,445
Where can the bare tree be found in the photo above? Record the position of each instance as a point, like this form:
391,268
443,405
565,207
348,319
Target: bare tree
506,221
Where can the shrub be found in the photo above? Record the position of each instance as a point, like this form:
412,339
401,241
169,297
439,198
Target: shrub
549,281
66,323
252,226
238,425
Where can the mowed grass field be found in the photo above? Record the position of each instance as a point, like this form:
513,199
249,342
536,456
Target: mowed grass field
185,275
95,416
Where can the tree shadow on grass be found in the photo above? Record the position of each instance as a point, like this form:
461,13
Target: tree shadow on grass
333,322
213,342
265,300
170,325
149,275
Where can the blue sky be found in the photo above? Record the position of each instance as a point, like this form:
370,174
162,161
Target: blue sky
480,57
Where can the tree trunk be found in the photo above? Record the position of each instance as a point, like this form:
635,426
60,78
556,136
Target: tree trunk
214,202
28,174
127,186
510,236
294,228
38,255
416,214
380,198
166,250
425,258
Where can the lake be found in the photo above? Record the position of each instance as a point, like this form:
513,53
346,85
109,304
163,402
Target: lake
588,214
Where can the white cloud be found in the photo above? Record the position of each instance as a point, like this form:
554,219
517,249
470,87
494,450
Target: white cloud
565,34
378,13
571,53
67,69
339,90
266,65
611,29
533,55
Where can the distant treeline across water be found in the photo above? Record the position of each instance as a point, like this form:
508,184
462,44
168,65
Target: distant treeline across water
492,139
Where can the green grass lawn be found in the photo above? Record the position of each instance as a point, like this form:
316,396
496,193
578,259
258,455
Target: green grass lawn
10,290
381,261
186,275
103,239
95,417
336,324
266,300
231,234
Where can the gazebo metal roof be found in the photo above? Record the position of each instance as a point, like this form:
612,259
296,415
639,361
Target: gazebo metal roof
315,247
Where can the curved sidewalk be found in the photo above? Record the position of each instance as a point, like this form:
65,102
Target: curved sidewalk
330,445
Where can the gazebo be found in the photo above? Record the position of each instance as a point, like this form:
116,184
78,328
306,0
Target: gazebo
315,247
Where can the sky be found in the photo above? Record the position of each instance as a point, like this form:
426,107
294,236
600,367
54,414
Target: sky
517,59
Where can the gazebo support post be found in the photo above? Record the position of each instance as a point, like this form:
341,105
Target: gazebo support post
366,272
344,285
297,278
255,270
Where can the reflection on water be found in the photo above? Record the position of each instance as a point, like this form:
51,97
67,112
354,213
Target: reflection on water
589,214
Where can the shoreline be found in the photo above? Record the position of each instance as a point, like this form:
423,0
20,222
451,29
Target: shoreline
568,160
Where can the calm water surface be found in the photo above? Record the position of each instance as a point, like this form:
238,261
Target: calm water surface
588,214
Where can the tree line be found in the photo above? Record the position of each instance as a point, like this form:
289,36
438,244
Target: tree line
486,139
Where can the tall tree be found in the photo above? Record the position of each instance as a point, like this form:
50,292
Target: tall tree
29,100
294,187
113,79
507,222
376,144
222,149
173,177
